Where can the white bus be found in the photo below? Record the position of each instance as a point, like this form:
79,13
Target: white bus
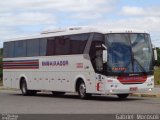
86,60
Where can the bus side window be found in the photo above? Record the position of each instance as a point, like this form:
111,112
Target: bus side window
20,48
32,47
96,53
42,46
8,51
98,60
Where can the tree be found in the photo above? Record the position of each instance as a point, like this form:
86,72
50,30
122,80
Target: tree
158,53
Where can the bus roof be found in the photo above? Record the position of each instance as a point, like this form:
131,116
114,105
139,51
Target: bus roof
77,30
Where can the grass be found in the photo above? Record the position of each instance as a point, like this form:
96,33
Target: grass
157,76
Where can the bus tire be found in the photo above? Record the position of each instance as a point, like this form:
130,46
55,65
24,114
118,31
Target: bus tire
32,92
122,96
82,91
23,87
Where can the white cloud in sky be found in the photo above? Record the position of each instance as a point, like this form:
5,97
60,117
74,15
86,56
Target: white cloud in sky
38,11
127,10
147,18
27,18
139,11
60,5
17,14
21,16
146,23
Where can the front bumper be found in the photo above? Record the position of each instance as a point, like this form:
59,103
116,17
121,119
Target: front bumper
133,88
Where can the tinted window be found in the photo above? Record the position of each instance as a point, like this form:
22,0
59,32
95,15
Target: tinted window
20,48
66,45
33,47
50,46
58,45
5,50
8,49
96,53
62,45
97,40
42,46
78,43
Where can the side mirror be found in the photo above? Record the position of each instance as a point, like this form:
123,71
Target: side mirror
155,54
105,54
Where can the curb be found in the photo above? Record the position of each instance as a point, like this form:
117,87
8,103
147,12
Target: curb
3,88
152,95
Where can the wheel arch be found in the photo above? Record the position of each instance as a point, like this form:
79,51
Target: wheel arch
78,80
21,79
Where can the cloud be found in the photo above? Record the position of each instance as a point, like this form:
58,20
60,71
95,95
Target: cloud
149,24
61,5
27,12
19,17
127,10
26,18
139,11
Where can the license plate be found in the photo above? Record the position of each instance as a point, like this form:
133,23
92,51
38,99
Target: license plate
133,89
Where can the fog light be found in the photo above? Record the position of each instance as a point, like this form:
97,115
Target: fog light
110,91
150,89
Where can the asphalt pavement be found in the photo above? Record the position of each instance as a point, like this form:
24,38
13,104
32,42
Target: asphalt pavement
46,103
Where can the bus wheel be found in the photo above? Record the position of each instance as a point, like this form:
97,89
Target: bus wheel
55,93
32,92
123,96
82,91
24,88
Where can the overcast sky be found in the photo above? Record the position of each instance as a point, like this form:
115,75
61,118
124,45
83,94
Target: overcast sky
26,17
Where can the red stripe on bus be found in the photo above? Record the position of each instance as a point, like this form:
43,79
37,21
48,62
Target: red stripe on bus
22,67
29,65
11,63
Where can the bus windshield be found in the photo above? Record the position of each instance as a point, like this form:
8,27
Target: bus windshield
129,53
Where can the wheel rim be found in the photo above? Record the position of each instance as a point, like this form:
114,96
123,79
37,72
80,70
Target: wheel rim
82,90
